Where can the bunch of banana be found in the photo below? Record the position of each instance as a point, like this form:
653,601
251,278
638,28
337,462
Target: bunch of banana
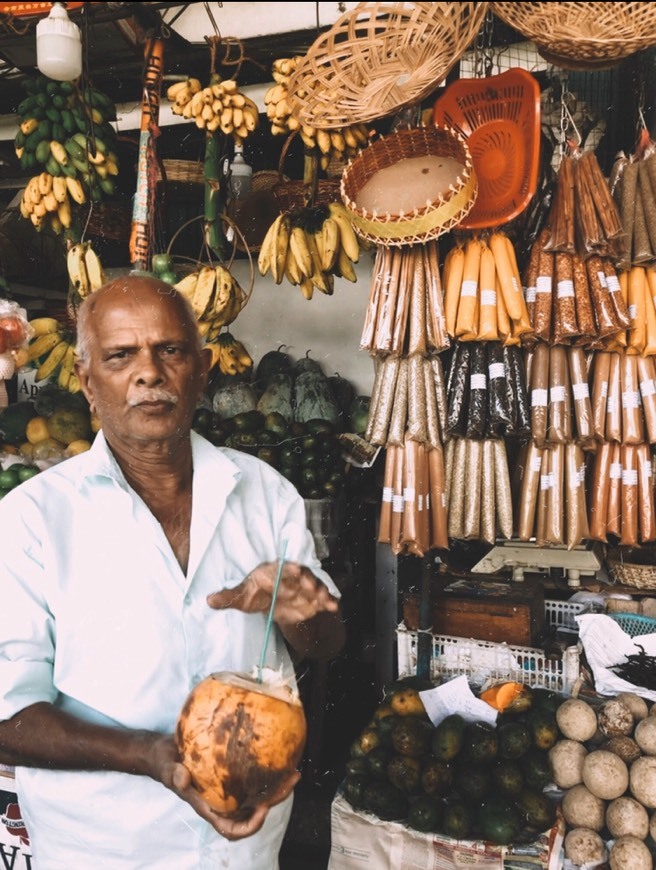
338,144
309,246
230,355
53,349
67,132
85,271
215,296
219,106
48,199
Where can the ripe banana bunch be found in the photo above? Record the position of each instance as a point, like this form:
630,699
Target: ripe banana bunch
85,271
215,296
230,355
48,199
54,350
66,132
219,106
309,247
338,144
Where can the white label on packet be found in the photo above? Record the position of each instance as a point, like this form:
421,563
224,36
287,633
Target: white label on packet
388,494
420,503
397,504
633,311
565,289
408,494
615,472
604,389
581,391
539,398
647,468
545,481
489,298
613,283
602,280
536,463
629,477
543,284
530,294
647,388
630,399
557,394
496,370
469,288
478,382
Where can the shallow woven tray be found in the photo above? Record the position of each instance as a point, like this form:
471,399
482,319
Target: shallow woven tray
422,224
184,170
583,35
630,574
380,57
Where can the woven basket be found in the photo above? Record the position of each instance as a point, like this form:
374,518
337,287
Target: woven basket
380,57
291,195
439,215
183,170
586,36
630,574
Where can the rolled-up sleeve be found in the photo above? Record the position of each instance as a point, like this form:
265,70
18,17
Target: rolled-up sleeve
27,628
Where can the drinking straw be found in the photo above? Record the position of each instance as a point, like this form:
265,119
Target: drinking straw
267,632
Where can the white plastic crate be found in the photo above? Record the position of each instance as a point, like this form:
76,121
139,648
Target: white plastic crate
482,660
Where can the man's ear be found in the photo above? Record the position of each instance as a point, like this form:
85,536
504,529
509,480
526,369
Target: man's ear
83,377
206,361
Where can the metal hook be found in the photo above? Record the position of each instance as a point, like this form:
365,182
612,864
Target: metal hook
572,123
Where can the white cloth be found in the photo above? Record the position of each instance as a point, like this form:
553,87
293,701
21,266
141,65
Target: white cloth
97,617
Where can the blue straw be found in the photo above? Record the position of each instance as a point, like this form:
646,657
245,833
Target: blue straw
267,632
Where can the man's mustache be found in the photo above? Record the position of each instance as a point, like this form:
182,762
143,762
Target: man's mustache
155,395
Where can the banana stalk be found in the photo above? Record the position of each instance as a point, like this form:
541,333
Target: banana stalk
214,200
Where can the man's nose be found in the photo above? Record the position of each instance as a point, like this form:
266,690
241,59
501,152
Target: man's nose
149,367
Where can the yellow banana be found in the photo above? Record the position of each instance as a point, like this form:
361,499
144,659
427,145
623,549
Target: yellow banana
307,288
42,345
337,142
25,206
330,236
350,139
64,213
74,385
187,285
66,367
94,269
59,188
54,358
279,253
264,257
29,126
194,85
344,266
204,290
318,278
323,141
224,290
175,89
347,236
299,246
59,152
50,202
44,326
75,189
292,269
76,268
45,183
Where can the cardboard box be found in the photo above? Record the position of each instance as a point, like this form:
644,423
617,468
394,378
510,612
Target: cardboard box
14,840
361,841
483,609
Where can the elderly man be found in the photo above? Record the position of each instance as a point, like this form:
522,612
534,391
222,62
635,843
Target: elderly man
127,574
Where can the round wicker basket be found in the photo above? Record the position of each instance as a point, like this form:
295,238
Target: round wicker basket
630,574
583,35
380,57
438,215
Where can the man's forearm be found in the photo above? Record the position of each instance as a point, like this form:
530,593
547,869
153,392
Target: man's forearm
43,736
320,638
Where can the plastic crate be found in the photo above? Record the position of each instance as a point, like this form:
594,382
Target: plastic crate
634,624
482,660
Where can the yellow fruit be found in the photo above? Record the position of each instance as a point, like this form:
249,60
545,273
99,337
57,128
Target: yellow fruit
79,446
37,430
69,425
407,702
95,423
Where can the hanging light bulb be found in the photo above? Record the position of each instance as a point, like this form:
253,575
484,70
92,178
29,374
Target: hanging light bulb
59,46
241,175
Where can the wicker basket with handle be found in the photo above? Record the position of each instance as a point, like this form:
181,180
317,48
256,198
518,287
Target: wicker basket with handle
585,36
438,215
293,194
380,57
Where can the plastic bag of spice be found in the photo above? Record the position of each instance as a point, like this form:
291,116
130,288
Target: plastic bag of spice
599,492
539,393
498,400
477,410
580,394
458,391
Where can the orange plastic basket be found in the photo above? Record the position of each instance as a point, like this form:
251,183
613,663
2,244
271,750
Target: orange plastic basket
499,118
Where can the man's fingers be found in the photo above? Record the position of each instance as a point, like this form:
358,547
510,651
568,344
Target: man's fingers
226,598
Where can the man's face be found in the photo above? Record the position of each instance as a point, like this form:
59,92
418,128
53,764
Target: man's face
144,372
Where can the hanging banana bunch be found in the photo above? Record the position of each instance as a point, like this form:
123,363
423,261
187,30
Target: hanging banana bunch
215,296
218,107
52,349
66,137
339,144
309,246
85,272
229,355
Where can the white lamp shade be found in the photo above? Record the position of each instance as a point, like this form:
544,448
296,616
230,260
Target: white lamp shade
59,46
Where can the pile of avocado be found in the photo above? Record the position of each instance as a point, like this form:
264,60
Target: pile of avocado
308,454
464,780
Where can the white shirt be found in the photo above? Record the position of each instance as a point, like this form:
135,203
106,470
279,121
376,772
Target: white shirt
98,618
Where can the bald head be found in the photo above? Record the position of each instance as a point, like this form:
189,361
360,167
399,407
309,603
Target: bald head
139,289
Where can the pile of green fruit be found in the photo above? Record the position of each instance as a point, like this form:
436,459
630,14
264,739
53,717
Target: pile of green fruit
465,780
13,475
